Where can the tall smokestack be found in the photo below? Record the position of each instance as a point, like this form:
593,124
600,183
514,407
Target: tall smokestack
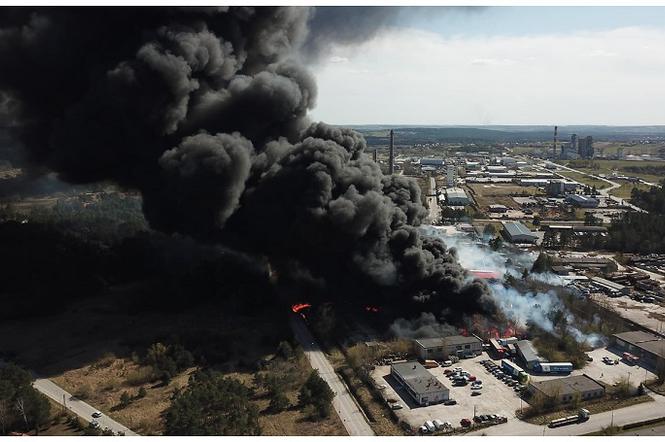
556,136
374,155
391,159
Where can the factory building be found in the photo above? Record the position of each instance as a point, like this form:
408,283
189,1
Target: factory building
518,233
536,182
567,389
432,162
443,348
610,288
527,353
648,347
421,385
560,187
456,197
585,147
582,201
451,175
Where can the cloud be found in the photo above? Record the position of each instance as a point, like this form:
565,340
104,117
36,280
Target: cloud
418,77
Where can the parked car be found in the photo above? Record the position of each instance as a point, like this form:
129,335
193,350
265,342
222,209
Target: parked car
423,429
447,363
476,393
396,406
97,414
438,424
450,402
465,423
476,387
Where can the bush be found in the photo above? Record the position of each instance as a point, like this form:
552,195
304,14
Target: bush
141,393
278,402
125,399
142,375
83,392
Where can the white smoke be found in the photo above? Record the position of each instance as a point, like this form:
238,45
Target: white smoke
521,308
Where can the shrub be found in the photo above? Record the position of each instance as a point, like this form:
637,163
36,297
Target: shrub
142,375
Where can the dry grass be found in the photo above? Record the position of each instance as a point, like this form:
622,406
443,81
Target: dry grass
106,381
595,407
486,194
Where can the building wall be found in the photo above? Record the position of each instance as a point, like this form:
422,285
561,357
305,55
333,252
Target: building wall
421,399
446,350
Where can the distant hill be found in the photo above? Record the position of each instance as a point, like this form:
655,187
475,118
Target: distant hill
407,134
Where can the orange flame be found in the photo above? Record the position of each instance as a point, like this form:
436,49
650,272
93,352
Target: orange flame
297,308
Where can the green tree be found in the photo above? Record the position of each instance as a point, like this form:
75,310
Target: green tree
141,393
284,350
496,243
212,405
278,401
542,264
316,392
125,399
22,408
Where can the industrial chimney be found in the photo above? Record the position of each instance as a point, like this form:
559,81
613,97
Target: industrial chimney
391,158
556,136
374,155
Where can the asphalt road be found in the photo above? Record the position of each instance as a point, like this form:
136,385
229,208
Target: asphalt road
622,416
343,403
83,410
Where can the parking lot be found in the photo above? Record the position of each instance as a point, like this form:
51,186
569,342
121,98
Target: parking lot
496,398
609,374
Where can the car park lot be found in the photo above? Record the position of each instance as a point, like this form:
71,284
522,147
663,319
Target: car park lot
495,398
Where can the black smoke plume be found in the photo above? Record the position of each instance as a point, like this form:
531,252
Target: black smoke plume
205,112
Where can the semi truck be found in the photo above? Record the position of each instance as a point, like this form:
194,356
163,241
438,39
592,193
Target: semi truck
555,367
581,416
511,368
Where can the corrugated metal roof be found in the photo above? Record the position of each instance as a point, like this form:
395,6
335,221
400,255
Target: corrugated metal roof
515,228
526,350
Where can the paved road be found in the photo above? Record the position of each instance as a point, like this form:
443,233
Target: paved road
433,203
83,410
347,409
622,416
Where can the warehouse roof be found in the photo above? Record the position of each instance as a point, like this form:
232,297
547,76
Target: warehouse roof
516,229
460,340
646,341
430,342
526,350
568,385
418,378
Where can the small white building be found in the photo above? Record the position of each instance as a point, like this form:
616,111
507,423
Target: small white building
456,196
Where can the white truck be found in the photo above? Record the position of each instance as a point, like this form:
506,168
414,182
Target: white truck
581,416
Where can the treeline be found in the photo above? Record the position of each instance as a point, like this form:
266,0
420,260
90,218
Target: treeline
22,408
638,232
46,268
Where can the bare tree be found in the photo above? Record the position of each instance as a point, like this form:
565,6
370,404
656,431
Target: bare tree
4,415
20,406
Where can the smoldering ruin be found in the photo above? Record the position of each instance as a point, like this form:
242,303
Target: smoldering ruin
204,112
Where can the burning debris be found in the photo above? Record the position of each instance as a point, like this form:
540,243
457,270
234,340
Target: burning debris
204,111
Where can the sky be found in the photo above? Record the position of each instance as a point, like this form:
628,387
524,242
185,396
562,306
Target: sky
501,65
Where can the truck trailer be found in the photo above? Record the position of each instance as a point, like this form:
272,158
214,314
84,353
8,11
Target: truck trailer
555,367
581,416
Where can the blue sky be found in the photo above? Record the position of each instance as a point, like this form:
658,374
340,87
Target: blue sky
502,65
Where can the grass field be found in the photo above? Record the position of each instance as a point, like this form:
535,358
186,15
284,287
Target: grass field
621,167
625,190
584,179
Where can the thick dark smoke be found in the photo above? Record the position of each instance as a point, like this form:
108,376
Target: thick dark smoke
332,26
205,112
